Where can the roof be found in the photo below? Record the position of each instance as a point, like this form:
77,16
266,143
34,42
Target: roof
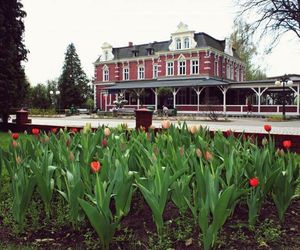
203,40
167,83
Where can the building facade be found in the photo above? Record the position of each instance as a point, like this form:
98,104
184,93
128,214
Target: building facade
191,72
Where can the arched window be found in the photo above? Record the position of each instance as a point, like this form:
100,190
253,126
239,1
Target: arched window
106,55
186,42
178,43
105,74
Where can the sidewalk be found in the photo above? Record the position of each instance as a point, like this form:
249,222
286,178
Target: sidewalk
251,125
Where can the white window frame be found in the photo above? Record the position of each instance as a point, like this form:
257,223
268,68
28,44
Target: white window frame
141,72
216,68
237,74
178,43
232,72
181,67
155,71
106,55
194,67
169,68
228,71
105,74
126,73
186,42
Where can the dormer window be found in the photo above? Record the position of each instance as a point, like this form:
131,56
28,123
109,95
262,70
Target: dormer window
106,55
186,43
135,52
150,51
178,43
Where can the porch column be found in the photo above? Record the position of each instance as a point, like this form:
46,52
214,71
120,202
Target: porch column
109,99
95,98
224,90
106,96
298,99
138,93
174,96
198,92
101,106
259,94
156,97
297,95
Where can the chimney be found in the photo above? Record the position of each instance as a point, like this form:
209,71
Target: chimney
130,44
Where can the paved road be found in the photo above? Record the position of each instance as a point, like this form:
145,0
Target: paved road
235,124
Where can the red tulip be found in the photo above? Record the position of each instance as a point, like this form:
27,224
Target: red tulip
253,182
229,132
104,143
35,131
287,144
95,166
15,136
267,127
54,130
74,130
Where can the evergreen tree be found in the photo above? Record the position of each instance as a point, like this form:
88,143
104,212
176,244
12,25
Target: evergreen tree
241,40
73,82
13,86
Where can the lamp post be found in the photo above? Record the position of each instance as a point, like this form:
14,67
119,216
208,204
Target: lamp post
283,81
55,98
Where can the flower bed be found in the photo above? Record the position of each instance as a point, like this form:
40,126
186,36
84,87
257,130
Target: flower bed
110,176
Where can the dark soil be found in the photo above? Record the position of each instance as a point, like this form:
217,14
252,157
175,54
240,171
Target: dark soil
139,232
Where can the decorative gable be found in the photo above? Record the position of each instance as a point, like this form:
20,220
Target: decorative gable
183,38
107,54
228,47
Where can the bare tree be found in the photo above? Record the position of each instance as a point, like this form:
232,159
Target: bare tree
271,17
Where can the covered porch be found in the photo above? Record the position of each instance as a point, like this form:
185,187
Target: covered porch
203,95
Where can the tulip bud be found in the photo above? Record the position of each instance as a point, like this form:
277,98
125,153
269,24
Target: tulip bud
107,132
71,156
165,124
193,129
181,151
199,152
208,156
18,160
152,127
14,144
264,141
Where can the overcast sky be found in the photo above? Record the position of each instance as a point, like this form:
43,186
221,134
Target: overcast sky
51,25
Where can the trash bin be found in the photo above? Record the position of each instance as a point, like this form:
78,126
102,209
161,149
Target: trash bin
143,118
22,117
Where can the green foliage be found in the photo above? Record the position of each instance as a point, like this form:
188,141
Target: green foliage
39,97
241,40
73,82
13,85
207,176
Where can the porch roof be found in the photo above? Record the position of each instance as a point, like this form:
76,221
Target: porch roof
203,82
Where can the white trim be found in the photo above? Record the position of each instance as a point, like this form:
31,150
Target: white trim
183,67
196,66
167,68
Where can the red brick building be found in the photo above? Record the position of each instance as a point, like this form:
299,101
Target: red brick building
196,69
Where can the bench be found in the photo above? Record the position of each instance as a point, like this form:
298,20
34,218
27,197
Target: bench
123,111
83,111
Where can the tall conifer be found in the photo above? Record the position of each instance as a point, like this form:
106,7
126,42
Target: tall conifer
73,82
13,86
